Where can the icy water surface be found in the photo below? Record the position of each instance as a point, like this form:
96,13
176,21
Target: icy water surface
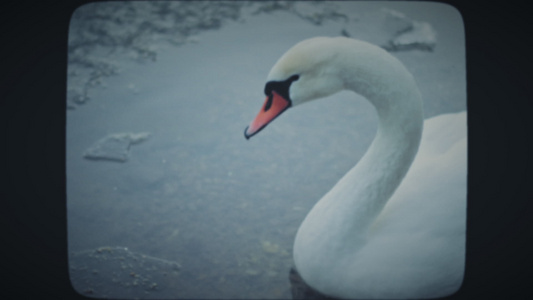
188,196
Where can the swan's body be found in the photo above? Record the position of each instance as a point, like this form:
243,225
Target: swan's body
393,226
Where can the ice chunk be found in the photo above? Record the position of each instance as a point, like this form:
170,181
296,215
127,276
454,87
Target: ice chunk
395,22
115,147
420,36
393,30
317,12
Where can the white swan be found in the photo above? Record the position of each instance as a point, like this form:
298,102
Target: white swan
393,226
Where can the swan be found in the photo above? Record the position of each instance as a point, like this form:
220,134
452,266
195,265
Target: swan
395,225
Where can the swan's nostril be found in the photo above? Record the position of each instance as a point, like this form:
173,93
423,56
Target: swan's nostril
268,103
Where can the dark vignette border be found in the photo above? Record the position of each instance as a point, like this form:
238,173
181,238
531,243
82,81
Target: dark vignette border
32,116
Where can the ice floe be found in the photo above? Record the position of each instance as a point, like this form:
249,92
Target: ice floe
392,30
115,147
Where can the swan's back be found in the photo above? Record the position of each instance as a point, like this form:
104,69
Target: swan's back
415,248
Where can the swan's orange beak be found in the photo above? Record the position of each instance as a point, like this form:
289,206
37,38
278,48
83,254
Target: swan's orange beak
273,107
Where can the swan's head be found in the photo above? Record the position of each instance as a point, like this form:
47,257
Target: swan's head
307,71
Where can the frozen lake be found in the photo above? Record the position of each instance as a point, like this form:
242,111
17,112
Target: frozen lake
188,191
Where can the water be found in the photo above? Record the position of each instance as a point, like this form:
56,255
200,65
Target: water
195,192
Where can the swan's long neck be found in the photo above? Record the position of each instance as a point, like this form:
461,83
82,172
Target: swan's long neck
338,223
367,187
380,171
